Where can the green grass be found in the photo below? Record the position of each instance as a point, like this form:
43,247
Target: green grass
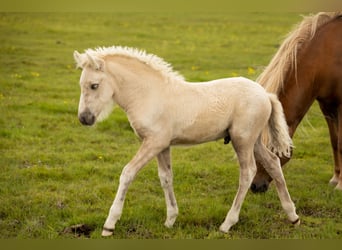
56,173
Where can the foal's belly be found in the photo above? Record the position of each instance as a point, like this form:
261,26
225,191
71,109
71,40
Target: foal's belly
197,137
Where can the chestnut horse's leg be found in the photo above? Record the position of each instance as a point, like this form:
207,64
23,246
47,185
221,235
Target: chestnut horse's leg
247,173
166,181
148,150
338,169
333,116
272,165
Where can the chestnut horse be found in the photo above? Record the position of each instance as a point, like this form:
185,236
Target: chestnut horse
308,67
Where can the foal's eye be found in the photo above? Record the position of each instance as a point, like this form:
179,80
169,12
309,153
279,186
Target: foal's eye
94,86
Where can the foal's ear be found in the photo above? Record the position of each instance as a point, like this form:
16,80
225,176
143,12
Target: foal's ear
78,59
95,62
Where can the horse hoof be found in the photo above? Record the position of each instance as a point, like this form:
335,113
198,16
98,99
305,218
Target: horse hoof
107,232
296,223
339,186
224,229
333,181
169,223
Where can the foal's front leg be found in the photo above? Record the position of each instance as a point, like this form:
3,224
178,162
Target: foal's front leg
166,181
147,151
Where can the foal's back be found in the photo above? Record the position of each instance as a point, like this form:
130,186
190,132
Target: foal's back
206,111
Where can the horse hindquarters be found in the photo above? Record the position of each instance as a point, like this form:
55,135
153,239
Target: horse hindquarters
246,140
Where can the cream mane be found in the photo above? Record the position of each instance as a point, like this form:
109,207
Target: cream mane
285,60
153,61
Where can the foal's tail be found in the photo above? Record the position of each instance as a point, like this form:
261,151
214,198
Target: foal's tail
277,137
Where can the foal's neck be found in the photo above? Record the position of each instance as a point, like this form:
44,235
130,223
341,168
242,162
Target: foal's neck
135,81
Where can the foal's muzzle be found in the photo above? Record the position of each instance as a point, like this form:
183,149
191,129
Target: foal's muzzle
87,118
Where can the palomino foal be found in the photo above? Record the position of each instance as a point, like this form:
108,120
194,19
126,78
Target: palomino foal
165,110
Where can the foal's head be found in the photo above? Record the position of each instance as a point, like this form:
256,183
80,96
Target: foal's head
96,101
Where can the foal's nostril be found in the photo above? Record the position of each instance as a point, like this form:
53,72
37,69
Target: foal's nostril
82,120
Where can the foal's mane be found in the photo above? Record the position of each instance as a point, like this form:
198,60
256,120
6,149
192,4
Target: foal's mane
285,60
152,60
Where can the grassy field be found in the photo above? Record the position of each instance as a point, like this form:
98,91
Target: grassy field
55,173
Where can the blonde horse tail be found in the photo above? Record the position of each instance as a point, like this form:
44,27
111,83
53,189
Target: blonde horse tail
277,138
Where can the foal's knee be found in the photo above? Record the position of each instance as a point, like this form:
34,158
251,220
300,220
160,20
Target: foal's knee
126,177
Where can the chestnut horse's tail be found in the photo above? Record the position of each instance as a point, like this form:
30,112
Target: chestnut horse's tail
278,139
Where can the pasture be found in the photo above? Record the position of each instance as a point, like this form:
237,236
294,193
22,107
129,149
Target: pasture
56,173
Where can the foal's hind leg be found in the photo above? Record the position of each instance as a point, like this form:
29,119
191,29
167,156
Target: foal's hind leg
166,181
271,164
247,173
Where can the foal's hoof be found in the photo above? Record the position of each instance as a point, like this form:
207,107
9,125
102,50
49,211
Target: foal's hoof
107,232
169,223
224,229
296,223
